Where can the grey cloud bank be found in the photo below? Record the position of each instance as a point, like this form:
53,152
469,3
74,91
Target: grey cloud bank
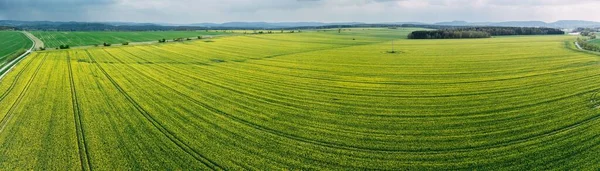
371,11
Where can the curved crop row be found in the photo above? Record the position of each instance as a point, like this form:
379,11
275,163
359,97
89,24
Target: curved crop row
319,101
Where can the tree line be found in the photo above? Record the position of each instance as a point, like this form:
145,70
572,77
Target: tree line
482,32
6,28
448,34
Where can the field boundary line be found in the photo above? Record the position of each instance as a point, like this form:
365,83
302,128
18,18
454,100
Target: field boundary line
574,46
9,66
185,147
84,155
137,71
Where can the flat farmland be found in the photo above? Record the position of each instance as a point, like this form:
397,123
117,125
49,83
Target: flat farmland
53,39
12,45
307,101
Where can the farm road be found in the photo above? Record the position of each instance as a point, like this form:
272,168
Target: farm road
38,43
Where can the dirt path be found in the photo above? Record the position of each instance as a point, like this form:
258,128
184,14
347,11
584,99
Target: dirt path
578,47
38,42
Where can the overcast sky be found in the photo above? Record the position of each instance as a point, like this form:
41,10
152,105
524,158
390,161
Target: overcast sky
370,11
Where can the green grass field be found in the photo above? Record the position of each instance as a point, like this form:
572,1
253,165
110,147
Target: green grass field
308,101
53,39
595,41
12,45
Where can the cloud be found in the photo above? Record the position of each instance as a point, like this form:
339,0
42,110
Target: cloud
50,9
194,11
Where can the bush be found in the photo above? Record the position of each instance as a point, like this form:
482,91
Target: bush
63,47
584,44
125,43
106,44
162,40
585,33
42,48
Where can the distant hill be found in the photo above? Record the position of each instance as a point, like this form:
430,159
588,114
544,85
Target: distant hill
558,24
574,24
454,23
112,25
269,25
521,24
132,26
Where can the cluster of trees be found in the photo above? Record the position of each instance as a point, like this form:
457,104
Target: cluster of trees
503,31
481,32
262,32
589,33
585,44
448,34
6,28
269,31
588,30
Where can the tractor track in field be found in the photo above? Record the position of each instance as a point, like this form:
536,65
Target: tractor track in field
14,83
10,112
256,126
391,116
84,155
139,72
346,147
185,147
196,101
